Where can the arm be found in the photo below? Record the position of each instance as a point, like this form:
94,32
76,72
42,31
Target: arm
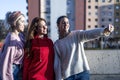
26,63
87,35
57,65
8,55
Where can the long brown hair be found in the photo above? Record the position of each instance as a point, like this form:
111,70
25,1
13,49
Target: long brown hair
32,32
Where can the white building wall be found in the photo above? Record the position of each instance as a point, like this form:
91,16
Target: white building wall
43,8
58,8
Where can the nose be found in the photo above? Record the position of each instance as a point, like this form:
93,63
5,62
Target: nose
65,24
45,27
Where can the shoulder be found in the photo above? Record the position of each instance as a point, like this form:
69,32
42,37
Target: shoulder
74,31
49,40
57,42
14,40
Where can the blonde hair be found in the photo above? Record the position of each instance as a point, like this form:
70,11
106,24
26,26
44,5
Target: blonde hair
11,19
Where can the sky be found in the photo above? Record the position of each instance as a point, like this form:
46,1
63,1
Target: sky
12,5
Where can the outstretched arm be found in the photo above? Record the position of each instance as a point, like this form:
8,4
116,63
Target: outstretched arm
87,35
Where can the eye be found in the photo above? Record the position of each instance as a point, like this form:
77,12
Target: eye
63,22
23,21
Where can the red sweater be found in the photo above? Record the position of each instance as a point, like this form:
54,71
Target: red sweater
41,65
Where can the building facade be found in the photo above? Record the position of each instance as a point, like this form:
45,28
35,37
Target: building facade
83,14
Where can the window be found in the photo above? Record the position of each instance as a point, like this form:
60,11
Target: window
48,23
89,0
102,20
89,7
89,13
110,14
117,7
68,2
68,12
117,0
89,26
47,2
89,19
109,0
102,26
96,13
96,19
47,10
103,0
96,0
102,13
109,19
96,26
116,20
48,16
117,13
109,7
96,7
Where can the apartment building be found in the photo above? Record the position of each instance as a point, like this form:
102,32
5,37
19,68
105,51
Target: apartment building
39,8
99,13
117,18
83,14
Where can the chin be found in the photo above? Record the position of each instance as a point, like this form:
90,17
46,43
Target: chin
45,32
21,31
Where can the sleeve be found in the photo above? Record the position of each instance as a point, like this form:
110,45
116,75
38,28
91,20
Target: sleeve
87,35
7,57
7,62
26,63
57,65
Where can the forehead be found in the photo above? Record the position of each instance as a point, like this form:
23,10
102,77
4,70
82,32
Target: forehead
64,19
22,18
41,22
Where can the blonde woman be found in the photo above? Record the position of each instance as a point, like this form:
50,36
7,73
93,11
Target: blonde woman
12,52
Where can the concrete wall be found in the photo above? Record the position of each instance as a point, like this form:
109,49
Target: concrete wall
104,64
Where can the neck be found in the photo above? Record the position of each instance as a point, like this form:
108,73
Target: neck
15,32
41,36
63,35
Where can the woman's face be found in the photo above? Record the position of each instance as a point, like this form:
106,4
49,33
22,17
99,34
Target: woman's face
64,25
20,24
42,28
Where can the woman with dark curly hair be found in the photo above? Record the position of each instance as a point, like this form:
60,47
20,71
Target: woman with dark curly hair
70,60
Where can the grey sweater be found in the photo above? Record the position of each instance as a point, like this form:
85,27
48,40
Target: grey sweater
70,57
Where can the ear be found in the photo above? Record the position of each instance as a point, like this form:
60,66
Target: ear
17,23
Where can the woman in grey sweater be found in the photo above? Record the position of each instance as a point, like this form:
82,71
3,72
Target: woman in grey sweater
70,61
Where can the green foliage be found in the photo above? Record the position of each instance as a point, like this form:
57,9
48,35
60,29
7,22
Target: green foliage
3,33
